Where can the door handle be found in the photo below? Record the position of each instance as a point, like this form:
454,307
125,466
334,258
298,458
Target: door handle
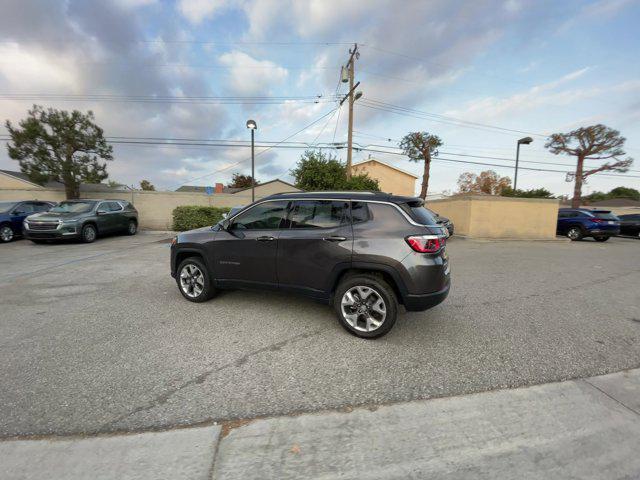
334,239
265,238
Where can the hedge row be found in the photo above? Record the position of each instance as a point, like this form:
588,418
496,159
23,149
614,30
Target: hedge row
188,217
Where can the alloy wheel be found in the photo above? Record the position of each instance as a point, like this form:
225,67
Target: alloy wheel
191,280
363,308
132,227
6,234
89,234
573,233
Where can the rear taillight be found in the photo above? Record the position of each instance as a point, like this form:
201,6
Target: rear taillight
597,220
426,243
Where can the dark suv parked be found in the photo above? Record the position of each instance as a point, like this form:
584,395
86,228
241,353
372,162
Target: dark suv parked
577,223
82,219
12,214
362,252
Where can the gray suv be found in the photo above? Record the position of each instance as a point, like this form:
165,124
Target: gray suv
363,252
82,219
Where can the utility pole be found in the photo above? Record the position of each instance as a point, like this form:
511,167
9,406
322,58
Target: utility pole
352,72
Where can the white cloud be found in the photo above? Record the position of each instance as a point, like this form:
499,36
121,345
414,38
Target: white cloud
198,10
249,76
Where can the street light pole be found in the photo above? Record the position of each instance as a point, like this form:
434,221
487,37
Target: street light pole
253,126
253,167
522,141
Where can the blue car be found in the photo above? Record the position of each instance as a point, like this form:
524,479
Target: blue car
12,215
577,223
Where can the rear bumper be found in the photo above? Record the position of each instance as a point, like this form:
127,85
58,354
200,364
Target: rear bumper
416,303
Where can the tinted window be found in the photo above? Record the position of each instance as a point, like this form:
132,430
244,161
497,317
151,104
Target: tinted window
25,208
563,214
359,212
42,207
605,215
317,214
73,207
265,216
422,216
114,206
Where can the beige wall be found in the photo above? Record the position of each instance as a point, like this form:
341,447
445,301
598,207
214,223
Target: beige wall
389,179
7,181
616,210
155,208
479,216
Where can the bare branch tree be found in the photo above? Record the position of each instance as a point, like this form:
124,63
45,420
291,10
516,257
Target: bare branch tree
596,142
421,147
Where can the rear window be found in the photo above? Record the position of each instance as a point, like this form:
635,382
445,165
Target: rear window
604,215
421,215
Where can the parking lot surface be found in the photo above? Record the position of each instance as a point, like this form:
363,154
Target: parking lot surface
97,338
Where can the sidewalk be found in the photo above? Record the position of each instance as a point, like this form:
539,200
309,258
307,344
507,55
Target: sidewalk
586,429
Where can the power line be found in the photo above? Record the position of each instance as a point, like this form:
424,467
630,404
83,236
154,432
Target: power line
263,151
399,109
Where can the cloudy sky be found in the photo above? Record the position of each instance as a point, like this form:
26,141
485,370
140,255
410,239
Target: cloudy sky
480,74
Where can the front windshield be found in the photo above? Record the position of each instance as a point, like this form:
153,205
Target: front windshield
6,206
73,207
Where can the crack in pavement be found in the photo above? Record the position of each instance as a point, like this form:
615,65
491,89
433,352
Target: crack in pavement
201,378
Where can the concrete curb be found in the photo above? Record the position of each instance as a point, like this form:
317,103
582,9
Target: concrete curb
585,428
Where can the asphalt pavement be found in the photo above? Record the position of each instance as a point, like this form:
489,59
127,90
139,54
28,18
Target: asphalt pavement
97,338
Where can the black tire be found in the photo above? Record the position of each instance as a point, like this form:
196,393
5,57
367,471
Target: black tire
575,234
88,233
601,239
383,292
132,227
6,233
208,290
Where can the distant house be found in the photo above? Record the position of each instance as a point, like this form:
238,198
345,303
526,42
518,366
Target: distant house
390,178
20,181
262,189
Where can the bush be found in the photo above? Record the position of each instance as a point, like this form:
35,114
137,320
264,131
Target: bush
188,217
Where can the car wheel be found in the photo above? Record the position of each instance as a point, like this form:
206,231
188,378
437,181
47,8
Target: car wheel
194,281
6,233
366,305
89,233
601,239
575,233
132,227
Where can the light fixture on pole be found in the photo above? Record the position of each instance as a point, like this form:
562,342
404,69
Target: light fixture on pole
522,141
253,126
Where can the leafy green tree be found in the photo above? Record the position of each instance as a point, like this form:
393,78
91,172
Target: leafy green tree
624,192
318,171
618,192
421,147
596,142
532,193
147,185
241,181
58,145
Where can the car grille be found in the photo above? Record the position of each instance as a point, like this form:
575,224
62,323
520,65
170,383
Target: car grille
43,225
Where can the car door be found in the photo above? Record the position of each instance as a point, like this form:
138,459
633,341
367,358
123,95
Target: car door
318,239
119,218
564,219
245,252
19,213
105,218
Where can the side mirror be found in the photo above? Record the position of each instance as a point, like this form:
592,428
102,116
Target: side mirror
225,225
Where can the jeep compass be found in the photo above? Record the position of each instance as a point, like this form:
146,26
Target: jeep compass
363,252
